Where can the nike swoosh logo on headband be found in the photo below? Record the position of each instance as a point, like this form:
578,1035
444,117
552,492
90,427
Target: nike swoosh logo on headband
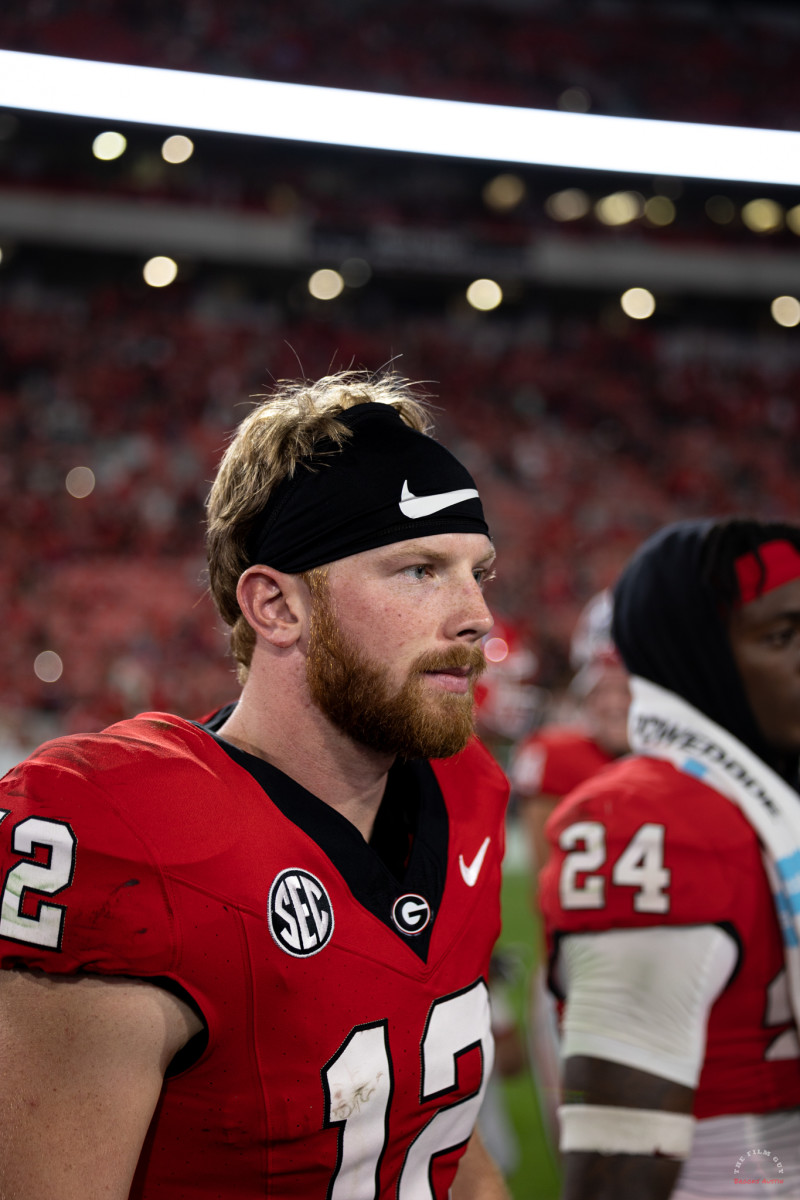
423,506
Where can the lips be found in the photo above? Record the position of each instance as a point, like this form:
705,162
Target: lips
458,672
456,680
460,661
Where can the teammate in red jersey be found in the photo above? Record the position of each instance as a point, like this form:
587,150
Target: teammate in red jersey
548,764
554,759
671,897
249,957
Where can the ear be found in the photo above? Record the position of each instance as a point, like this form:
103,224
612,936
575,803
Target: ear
276,605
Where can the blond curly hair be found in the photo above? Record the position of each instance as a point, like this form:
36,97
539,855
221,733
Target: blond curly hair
282,431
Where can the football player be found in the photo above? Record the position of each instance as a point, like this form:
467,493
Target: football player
671,896
548,764
554,759
250,956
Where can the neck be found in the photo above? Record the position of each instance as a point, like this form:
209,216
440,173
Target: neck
285,728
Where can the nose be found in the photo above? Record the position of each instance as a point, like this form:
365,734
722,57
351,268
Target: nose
472,619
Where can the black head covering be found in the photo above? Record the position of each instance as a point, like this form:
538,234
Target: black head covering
670,628
387,483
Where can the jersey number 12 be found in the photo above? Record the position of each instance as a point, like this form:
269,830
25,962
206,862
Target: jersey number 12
45,925
358,1088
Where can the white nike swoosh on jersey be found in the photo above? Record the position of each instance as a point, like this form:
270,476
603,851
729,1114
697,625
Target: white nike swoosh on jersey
470,873
423,506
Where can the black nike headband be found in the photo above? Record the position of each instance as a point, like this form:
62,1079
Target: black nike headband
387,483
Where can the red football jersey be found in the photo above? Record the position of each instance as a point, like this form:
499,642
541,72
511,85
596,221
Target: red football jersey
643,844
348,1018
556,759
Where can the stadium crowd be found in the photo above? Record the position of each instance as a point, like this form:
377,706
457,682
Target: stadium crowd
623,58
585,434
585,431
584,439
665,61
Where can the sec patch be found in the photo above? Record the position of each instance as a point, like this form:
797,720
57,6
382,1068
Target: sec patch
300,913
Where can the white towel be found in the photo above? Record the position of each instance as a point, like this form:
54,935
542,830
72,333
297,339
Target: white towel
662,725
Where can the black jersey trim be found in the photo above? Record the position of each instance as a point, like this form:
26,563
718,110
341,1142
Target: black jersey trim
415,812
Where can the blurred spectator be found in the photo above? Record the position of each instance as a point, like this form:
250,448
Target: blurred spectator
588,733
507,700
135,388
676,62
592,730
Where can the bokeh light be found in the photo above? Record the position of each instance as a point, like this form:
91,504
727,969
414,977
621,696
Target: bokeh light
793,219
569,205
484,294
763,216
177,148
109,145
326,284
786,311
160,271
638,302
9,125
355,272
504,192
48,666
80,482
496,650
669,186
620,208
659,210
720,209
575,99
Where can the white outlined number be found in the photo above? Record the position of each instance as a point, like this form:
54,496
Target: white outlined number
46,926
640,865
455,1025
358,1086
577,862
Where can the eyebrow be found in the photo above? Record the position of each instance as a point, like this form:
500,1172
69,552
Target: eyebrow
785,614
421,550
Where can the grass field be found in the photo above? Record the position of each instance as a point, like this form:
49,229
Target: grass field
536,1177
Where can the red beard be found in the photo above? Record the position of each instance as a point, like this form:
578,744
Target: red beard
355,693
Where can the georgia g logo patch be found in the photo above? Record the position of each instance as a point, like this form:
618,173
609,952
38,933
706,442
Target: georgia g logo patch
300,913
411,913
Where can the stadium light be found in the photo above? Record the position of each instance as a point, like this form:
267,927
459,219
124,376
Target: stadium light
333,116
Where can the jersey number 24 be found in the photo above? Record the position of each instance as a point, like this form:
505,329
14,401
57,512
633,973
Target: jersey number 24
640,866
